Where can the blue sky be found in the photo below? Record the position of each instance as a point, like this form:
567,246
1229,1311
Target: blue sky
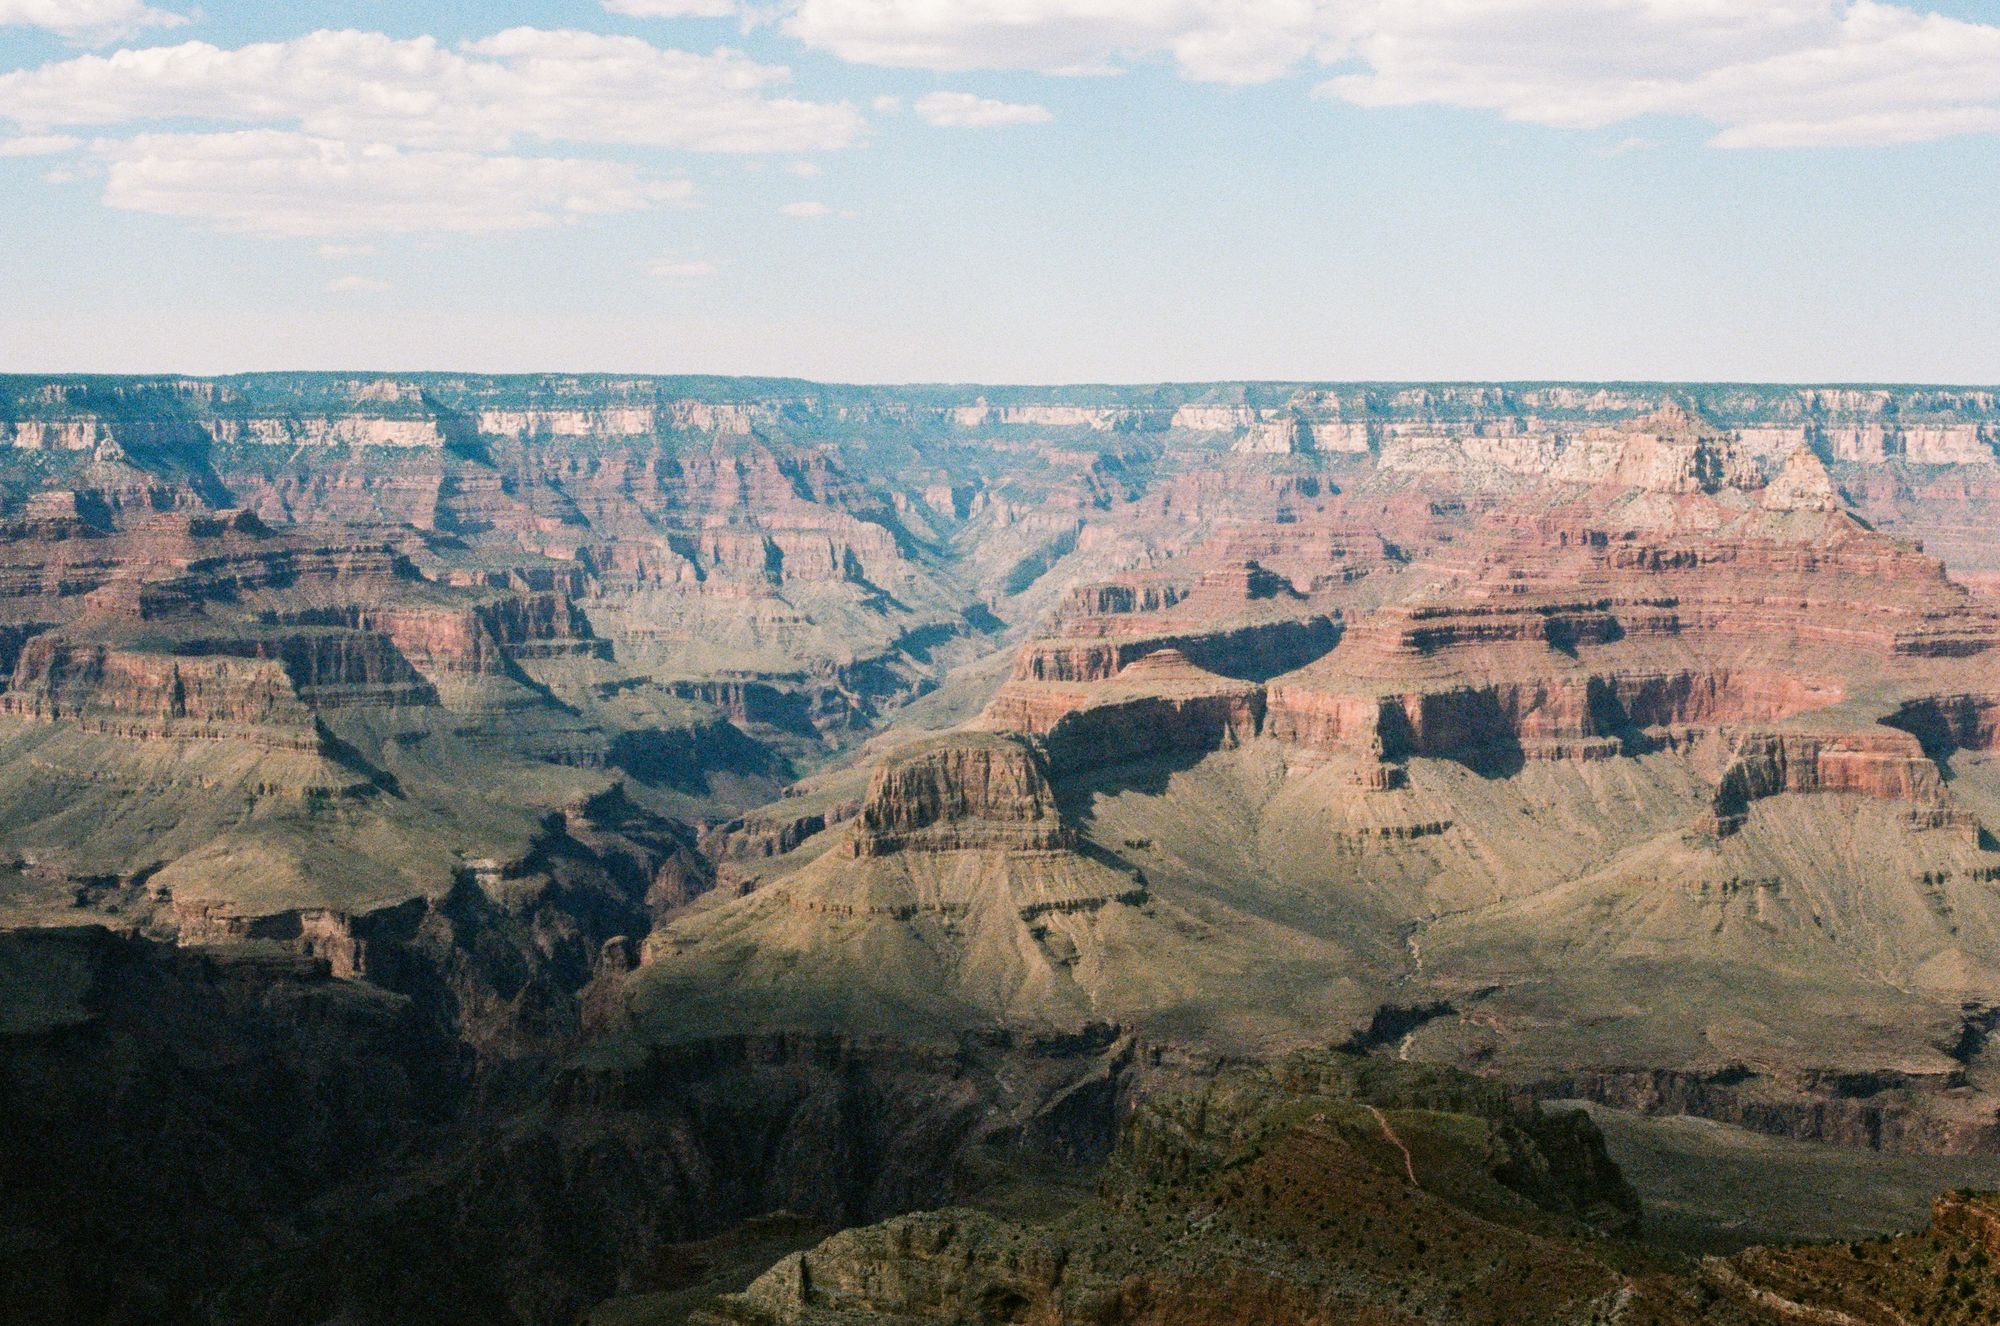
1006,190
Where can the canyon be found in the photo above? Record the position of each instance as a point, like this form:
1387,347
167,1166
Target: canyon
465,838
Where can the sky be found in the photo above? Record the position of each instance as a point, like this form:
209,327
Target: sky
1005,190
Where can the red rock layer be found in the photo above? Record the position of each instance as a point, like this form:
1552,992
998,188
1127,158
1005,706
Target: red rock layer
138,694
1882,763
963,790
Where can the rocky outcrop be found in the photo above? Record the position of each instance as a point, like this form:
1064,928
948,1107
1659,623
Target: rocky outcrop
1945,723
1573,716
751,702
1251,651
1885,764
964,790
470,640
1887,1111
1159,706
774,830
159,695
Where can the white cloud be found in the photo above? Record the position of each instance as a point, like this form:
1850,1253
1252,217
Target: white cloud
355,285
1231,41
38,145
806,211
887,105
264,181
1764,73
86,20
1792,73
963,110
524,84
337,252
673,8
669,269
805,170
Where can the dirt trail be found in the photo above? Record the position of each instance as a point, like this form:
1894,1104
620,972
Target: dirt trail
1409,1166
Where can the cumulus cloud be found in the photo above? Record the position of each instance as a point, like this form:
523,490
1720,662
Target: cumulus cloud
810,211
1765,73
524,84
963,110
86,20
270,182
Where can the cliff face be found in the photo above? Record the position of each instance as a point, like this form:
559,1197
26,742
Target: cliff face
959,792
140,694
1889,766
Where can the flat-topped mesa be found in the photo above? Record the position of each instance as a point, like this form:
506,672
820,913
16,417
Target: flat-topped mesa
1423,629
1340,547
1237,619
470,639
147,695
1851,587
1570,577
190,529
967,790
1680,591
1882,763
1249,650
1159,705
1117,598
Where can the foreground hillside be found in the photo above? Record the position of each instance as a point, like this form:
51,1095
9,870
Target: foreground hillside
1339,1190
580,815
